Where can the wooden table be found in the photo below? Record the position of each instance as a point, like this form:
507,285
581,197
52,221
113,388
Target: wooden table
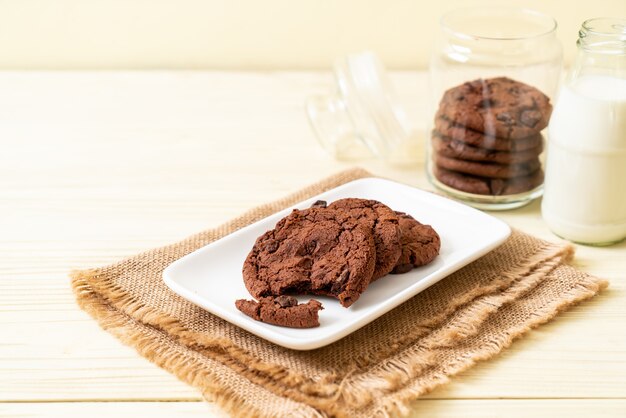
98,166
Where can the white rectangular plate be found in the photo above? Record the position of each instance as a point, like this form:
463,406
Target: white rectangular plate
211,276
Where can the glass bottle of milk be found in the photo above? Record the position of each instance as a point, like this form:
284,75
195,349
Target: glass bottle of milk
585,185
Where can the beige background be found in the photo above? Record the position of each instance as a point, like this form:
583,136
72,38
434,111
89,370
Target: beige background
241,34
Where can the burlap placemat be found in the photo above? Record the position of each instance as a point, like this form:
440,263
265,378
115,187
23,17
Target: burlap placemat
376,371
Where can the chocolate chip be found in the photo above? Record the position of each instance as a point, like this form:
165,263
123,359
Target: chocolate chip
302,249
340,282
504,117
486,103
311,246
514,90
530,118
271,246
473,87
286,301
305,263
319,204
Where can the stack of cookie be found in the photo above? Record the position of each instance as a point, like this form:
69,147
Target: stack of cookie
487,137
333,250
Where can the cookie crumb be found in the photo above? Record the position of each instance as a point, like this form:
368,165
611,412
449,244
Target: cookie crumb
283,311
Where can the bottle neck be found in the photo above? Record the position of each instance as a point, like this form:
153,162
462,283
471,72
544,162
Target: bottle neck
603,36
601,49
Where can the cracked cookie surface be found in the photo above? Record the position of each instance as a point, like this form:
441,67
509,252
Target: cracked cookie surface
498,107
420,244
316,251
383,223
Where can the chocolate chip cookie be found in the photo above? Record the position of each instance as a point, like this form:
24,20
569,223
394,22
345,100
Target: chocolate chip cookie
488,186
383,223
491,170
498,107
316,251
282,310
452,148
420,244
468,136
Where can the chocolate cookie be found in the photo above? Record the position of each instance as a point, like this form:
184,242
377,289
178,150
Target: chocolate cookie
457,149
420,244
491,170
383,223
316,250
282,310
487,186
478,139
498,107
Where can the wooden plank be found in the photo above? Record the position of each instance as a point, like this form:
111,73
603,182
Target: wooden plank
111,409
522,408
446,408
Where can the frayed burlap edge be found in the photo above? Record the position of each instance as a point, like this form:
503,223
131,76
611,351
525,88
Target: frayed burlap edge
581,291
469,314
176,358
391,375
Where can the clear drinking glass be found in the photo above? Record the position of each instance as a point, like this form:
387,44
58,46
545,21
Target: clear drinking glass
492,72
585,193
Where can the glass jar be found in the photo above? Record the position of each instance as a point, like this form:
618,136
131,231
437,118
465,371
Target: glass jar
361,118
493,74
585,192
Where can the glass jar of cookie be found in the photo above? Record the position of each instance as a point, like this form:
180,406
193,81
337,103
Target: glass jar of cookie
493,73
